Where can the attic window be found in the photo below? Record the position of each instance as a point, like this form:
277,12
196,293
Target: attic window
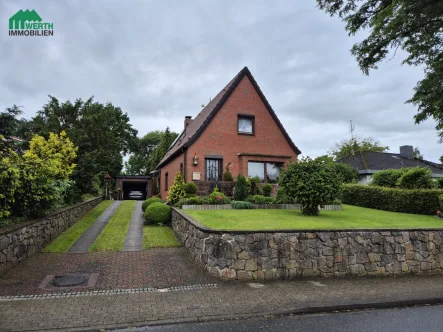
246,124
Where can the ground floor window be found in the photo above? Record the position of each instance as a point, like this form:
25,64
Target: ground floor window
214,169
166,181
266,171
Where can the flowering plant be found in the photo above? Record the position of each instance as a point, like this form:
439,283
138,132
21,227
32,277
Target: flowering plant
439,214
219,198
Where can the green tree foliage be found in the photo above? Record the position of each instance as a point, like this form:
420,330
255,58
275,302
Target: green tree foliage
347,173
418,201
387,177
349,147
242,188
10,125
102,133
177,190
416,178
417,154
139,160
311,183
414,26
160,150
38,181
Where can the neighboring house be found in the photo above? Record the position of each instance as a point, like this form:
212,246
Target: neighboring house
238,127
369,163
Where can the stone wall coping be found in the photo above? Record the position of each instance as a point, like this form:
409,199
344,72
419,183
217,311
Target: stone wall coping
298,230
13,228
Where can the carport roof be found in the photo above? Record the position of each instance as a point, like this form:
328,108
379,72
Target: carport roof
141,177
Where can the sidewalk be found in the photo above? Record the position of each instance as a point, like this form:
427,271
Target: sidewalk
228,300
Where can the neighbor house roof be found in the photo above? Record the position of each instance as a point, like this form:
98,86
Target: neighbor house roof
201,121
371,162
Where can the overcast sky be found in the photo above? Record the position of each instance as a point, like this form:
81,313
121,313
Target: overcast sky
160,60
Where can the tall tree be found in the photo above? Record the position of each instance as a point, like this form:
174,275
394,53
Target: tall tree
102,133
139,159
159,152
415,26
348,147
417,153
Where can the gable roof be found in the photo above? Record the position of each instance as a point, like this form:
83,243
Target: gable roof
193,131
368,162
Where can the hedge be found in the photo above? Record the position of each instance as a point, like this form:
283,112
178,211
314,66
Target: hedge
150,201
418,201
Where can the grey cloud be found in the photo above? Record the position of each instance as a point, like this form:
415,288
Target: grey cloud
160,60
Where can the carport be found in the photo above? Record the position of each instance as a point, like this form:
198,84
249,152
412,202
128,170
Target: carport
127,183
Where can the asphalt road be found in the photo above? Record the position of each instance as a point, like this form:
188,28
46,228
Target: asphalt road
428,318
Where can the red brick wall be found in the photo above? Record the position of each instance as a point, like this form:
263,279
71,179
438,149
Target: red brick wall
171,168
221,138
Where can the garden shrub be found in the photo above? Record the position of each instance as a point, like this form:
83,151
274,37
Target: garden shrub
193,201
416,178
388,177
418,201
242,205
190,195
282,198
255,185
440,182
217,197
311,183
259,199
158,213
227,175
177,189
267,189
242,188
190,188
150,201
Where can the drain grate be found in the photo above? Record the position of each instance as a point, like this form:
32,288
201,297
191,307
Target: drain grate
106,292
69,281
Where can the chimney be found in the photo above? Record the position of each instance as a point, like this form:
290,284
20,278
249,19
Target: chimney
407,151
188,120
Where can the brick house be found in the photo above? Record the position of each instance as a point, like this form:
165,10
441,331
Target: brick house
238,127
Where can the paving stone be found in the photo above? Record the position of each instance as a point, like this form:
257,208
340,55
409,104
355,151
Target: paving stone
134,237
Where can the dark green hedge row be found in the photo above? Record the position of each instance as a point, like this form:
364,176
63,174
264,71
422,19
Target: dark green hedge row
418,201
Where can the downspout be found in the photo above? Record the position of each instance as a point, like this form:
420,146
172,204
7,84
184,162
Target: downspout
185,169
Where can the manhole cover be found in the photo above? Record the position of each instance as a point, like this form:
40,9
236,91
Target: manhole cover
67,281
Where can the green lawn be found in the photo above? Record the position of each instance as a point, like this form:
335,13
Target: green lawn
72,234
350,217
157,236
113,235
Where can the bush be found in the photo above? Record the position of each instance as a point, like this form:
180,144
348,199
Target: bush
242,188
418,201
193,201
282,198
267,189
259,199
177,189
347,173
191,195
158,213
190,188
416,178
311,183
227,175
150,201
217,197
255,185
388,177
440,182
242,205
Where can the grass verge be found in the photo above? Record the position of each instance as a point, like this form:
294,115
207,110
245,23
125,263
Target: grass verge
113,235
351,217
158,237
73,233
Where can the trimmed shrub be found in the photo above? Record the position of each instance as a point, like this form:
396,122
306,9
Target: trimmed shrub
193,201
150,201
267,189
158,213
177,189
311,183
416,178
242,205
388,177
242,188
418,201
255,185
190,188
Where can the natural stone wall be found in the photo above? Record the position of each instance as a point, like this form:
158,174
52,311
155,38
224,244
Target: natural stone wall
268,255
26,239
